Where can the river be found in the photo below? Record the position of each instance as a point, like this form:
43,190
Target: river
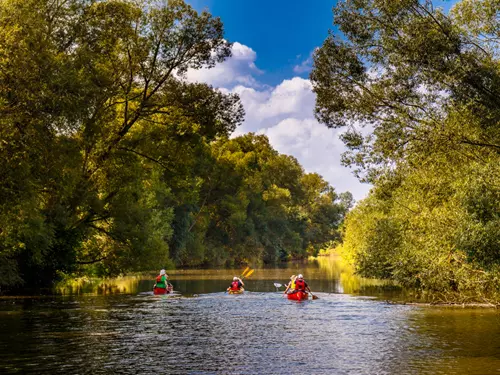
120,327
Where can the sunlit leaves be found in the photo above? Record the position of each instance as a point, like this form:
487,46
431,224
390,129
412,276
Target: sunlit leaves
94,118
430,104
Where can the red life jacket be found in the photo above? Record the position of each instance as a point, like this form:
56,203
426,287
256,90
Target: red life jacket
300,285
235,285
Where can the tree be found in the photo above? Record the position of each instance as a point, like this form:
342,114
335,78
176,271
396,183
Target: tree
425,87
114,162
263,206
84,86
402,70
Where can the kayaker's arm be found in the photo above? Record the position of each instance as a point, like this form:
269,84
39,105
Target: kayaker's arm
241,281
287,287
308,289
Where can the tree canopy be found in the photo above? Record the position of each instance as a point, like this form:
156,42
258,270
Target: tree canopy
114,162
418,94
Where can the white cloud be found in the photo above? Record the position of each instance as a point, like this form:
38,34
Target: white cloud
240,68
285,114
305,66
292,98
318,149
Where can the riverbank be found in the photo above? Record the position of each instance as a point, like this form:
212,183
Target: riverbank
333,261
445,304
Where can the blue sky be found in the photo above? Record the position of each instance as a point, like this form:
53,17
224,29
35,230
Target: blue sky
277,30
269,69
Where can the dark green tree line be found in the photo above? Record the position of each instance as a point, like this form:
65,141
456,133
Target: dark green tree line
257,204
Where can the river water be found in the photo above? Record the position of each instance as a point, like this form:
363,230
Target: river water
120,327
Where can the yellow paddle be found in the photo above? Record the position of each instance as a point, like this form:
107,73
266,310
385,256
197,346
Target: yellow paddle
245,271
249,273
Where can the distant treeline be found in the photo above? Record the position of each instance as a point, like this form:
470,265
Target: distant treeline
111,162
426,88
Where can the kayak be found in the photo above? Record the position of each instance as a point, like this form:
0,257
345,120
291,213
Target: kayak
239,291
298,296
159,291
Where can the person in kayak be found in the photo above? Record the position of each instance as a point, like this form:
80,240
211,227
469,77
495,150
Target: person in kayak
237,284
291,285
301,285
162,281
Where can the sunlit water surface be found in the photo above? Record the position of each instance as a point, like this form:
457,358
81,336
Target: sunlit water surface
122,328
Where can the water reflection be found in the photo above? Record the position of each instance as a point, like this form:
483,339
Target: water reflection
462,341
120,327
256,333
335,268
124,284
326,274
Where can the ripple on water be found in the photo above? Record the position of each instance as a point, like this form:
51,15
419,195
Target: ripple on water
253,333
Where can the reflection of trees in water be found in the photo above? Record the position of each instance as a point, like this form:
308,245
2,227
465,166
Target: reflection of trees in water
336,268
328,274
125,284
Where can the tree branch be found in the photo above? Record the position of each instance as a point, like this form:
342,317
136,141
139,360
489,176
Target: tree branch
97,260
145,156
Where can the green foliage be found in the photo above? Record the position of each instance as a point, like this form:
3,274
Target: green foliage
90,115
113,162
256,205
426,86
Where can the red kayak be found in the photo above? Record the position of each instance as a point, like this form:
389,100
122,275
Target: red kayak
158,291
298,296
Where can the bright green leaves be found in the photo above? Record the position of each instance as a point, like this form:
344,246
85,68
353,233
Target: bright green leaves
426,88
478,17
113,162
94,122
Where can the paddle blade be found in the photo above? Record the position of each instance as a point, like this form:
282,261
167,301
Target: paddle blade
277,285
245,271
250,273
314,296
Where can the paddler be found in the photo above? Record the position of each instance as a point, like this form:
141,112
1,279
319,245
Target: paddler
162,281
236,285
301,285
291,285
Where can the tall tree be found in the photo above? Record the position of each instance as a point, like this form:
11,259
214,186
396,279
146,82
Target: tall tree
425,87
88,93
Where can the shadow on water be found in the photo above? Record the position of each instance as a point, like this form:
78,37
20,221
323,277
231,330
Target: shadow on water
118,326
